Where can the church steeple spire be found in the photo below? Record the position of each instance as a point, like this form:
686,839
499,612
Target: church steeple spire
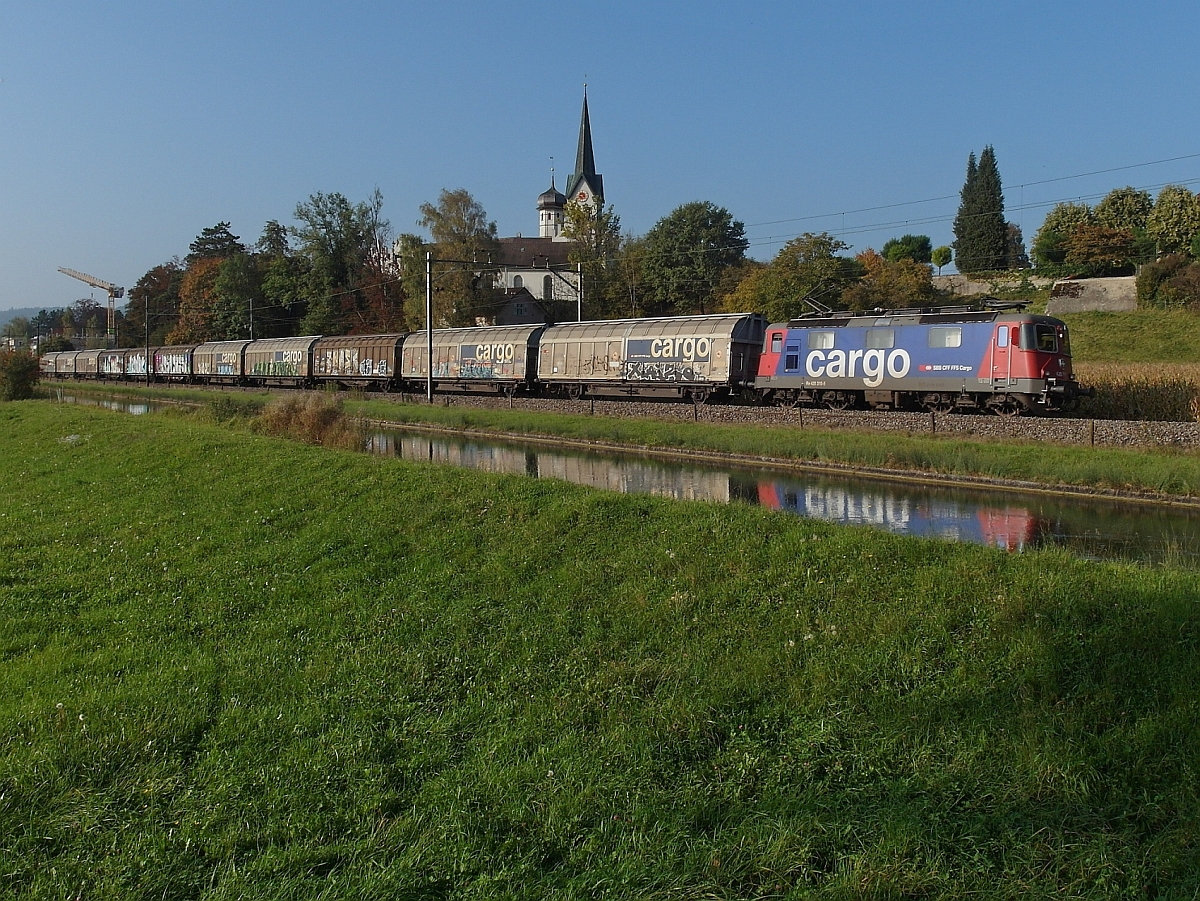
585,185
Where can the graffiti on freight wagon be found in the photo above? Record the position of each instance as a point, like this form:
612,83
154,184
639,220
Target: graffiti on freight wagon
643,371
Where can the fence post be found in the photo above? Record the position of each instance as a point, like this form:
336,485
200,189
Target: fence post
933,421
1092,432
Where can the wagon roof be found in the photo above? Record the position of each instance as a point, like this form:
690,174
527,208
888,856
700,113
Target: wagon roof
489,334
725,324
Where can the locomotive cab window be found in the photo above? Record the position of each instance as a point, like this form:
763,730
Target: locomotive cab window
945,337
820,340
881,338
1039,337
776,342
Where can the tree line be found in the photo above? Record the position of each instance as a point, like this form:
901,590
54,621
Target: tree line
342,270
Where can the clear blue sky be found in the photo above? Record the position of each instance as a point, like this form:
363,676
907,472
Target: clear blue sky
126,128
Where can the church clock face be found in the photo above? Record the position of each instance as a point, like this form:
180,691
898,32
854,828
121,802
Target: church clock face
581,196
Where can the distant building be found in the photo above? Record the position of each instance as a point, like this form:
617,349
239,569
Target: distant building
541,266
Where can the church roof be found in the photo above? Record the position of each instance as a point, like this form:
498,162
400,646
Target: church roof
551,197
585,160
534,253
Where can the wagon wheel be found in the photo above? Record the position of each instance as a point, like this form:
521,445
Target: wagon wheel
698,396
837,400
938,403
573,392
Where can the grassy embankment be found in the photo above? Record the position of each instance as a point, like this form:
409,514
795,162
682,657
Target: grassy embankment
238,667
1168,470
1143,363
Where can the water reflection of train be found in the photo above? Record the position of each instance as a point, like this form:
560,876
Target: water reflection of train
1013,528
1010,527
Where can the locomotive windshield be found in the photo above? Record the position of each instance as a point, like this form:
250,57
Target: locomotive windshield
1039,337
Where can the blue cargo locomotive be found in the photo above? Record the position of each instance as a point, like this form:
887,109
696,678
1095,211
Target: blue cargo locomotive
999,360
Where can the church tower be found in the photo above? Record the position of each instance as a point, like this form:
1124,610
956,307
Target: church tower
550,206
585,186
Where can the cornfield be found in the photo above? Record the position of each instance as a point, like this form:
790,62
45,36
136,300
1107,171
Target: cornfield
1159,392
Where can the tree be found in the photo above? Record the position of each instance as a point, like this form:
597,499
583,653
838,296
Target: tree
1124,208
215,242
1049,243
197,300
1015,256
1096,250
889,284
348,278
237,291
157,292
630,274
807,274
980,232
1175,219
17,327
462,231
596,233
19,372
686,253
917,248
941,256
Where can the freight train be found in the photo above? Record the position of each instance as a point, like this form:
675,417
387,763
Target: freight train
991,359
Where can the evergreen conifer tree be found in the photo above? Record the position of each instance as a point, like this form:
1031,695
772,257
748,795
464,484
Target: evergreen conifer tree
980,231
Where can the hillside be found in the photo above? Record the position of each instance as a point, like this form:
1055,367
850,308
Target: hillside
1139,336
241,667
7,316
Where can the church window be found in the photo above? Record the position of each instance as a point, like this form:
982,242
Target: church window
548,288
517,283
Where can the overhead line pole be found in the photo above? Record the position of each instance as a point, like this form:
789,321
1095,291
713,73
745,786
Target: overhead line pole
429,324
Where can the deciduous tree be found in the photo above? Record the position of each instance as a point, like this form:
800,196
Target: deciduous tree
1124,208
889,284
349,275
158,293
1096,250
807,274
1175,220
461,231
686,253
596,233
941,256
1049,243
917,248
18,374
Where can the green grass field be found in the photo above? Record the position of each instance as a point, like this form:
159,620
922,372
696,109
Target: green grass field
240,667
1137,336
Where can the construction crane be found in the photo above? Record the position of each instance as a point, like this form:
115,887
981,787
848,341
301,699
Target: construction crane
113,293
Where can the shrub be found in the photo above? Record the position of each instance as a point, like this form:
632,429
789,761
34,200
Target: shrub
1166,283
311,417
18,374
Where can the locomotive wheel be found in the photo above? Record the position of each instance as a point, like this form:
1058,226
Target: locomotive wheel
937,403
1006,406
791,399
837,400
